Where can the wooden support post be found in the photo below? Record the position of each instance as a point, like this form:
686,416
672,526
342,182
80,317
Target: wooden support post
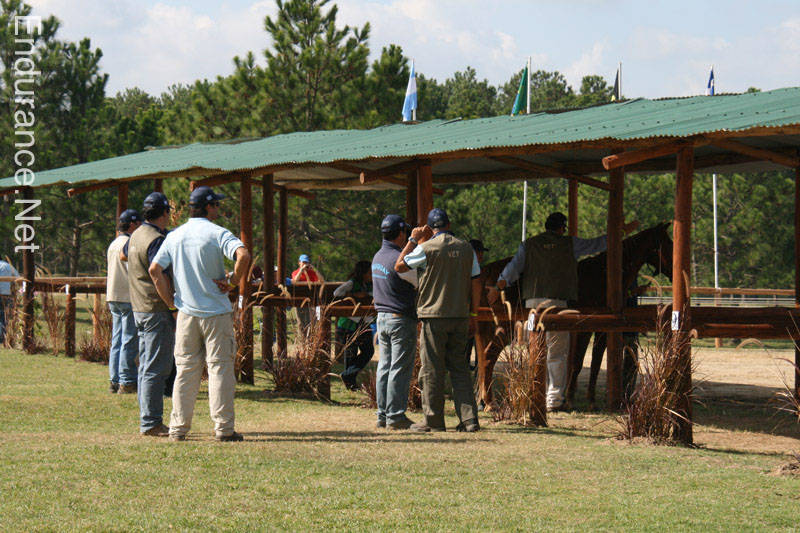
69,326
97,310
245,287
325,325
122,201
424,193
537,354
797,273
267,313
572,217
614,289
681,270
158,185
572,222
283,228
411,199
29,273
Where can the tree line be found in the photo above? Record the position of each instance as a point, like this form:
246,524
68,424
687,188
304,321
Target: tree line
316,74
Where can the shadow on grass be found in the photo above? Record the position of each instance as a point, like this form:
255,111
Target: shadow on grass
352,436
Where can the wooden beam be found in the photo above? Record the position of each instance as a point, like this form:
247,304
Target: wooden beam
424,194
29,273
245,287
572,208
643,154
294,192
411,198
267,314
158,185
214,181
681,269
89,188
614,289
759,153
283,234
549,171
380,174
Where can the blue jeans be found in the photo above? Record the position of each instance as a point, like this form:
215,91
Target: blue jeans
397,337
156,344
124,344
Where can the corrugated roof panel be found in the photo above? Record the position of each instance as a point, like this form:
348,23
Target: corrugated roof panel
634,119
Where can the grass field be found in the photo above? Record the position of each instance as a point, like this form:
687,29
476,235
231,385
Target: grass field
71,459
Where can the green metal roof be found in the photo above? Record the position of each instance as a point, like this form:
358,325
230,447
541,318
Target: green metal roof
623,121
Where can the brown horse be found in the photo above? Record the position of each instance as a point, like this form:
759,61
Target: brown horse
651,246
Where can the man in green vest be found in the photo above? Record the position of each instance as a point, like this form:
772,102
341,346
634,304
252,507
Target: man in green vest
548,266
447,305
154,319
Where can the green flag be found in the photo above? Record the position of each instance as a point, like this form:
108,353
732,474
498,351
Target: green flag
521,101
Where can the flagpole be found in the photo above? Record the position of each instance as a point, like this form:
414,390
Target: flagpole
619,69
414,110
525,183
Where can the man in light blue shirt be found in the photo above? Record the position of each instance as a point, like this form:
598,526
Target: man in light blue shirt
6,271
204,331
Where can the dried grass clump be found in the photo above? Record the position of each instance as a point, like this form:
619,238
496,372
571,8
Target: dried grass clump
97,350
55,319
787,399
516,392
13,319
306,370
369,386
652,411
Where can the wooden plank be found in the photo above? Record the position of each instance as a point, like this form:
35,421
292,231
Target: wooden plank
214,181
547,171
295,192
245,287
614,289
267,317
89,188
283,234
778,158
411,198
727,291
380,174
681,268
643,154
424,194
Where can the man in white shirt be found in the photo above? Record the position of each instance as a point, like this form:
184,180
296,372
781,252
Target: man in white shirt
124,338
204,331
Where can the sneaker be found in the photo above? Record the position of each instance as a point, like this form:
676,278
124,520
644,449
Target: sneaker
424,428
403,423
113,388
177,438
233,437
126,389
470,426
381,423
158,431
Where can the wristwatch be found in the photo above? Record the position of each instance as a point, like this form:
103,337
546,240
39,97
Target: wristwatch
412,239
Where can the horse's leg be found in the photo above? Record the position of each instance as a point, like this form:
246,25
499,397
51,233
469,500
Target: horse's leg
597,358
577,353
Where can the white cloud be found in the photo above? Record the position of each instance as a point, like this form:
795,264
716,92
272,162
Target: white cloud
590,62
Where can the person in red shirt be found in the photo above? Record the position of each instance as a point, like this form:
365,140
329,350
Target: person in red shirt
305,273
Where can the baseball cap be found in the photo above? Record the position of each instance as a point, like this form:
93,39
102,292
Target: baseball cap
203,195
156,199
304,259
393,223
437,218
478,246
130,215
556,221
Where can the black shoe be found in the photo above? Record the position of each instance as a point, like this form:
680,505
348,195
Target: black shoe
424,428
113,388
470,426
350,384
233,437
381,423
403,423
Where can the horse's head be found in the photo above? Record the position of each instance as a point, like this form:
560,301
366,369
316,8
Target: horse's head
659,255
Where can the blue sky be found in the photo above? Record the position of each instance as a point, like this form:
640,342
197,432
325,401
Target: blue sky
666,48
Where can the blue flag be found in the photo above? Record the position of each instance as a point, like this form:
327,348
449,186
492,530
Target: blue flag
410,105
710,88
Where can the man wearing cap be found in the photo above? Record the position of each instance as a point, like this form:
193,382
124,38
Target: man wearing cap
154,320
447,305
124,339
305,273
205,333
394,296
548,266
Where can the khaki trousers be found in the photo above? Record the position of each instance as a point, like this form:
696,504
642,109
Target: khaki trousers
442,348
557,355
212,341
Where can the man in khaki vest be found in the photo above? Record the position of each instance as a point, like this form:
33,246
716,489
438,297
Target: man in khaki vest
154,319
548,265
124,339
447,305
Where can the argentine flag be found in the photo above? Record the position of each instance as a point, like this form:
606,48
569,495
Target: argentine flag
410,105
710,88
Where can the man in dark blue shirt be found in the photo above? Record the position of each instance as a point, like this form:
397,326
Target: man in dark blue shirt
394,296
